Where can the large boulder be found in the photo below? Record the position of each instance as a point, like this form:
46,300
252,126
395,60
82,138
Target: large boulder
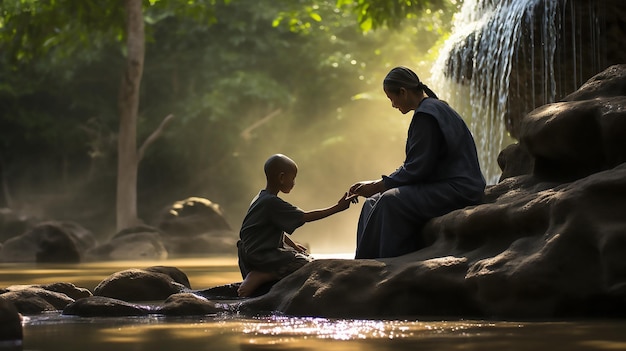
49,242
150,284
192,216
196,226
137,243
549,243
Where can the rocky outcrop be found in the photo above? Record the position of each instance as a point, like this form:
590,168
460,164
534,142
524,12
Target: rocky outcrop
545,244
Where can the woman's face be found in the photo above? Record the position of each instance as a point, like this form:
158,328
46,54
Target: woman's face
399,100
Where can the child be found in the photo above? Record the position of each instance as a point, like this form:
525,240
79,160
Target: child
266,253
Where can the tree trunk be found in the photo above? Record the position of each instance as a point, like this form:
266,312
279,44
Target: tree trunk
128,101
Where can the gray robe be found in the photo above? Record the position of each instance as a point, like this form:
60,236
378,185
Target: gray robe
440,174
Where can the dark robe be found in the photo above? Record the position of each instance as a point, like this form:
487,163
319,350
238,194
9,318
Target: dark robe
261,247
440,174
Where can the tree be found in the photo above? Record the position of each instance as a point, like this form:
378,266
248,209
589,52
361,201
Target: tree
26,36
60,65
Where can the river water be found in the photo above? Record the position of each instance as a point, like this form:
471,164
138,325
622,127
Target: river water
53,331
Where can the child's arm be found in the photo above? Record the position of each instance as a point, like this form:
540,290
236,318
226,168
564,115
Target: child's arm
341,205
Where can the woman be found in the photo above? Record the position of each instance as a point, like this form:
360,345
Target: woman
440,173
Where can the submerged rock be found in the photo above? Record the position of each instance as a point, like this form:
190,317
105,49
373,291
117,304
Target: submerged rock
100,306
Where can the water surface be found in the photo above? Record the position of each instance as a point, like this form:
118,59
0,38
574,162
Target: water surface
53,331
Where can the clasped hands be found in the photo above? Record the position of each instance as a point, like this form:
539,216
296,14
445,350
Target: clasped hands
367,188
364,188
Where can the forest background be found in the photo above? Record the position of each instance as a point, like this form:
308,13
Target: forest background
243,79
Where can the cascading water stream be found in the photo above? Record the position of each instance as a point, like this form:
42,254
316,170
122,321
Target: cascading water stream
505,58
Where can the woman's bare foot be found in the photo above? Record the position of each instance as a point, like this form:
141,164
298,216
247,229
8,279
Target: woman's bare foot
253,281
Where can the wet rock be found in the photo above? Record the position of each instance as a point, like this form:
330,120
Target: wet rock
68,289
188,304
34,300
100,306
155,283
176,274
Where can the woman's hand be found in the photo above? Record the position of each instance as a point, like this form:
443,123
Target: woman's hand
368,188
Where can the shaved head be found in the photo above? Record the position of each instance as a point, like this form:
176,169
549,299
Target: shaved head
277,164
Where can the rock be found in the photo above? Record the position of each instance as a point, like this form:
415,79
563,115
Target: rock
99,306
52,242
196,226
546,244
192,216
131,246
156,283
34,300
188,304
68,289
176,274
514,160
571,140
10,325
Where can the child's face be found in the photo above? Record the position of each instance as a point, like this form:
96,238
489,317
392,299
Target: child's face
287,181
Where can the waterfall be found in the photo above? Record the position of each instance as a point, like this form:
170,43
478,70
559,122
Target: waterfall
505,58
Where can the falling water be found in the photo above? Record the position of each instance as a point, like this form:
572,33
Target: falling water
505,58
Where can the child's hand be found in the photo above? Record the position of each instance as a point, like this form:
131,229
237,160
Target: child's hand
346,199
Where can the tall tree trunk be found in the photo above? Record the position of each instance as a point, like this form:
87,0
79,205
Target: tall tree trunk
128,101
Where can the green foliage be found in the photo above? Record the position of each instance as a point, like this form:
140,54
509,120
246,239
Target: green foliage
283,71
374,14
